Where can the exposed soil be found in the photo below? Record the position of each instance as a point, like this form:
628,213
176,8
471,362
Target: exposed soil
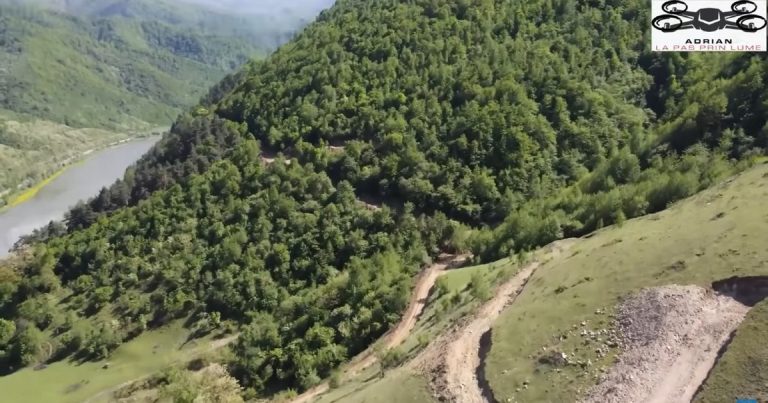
402,330
270,158
671,337
370,202
454,362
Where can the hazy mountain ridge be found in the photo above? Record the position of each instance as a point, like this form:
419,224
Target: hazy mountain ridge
122,65
413,128
135,60
267,24
107,72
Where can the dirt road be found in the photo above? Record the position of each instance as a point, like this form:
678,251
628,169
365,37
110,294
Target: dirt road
400,332
453,363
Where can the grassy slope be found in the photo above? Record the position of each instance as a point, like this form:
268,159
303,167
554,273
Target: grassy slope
742,372
401,385
643,252
34,150
690,243
67,381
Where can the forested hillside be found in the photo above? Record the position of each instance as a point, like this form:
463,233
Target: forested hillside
123,66
114,72
264,25
492,125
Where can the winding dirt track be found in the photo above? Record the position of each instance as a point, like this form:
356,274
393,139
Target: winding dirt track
400,332
453,361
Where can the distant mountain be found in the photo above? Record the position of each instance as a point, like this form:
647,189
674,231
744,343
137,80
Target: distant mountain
276,8
266,24
119,63
113,72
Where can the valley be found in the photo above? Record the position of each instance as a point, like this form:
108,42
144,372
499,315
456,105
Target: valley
35,151
412,201
76,76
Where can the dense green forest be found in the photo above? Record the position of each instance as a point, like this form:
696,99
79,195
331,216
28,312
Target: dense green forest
496,126
107,72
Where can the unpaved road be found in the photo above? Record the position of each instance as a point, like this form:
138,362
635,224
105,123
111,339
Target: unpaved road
453,361
402,330
672,336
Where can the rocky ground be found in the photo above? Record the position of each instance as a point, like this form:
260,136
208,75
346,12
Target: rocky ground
670,338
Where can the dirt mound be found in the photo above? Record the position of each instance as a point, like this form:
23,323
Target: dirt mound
670,338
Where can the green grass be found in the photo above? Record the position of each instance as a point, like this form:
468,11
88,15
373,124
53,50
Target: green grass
33,152
459,279
713,235
742,372
68,381
32,191
400,384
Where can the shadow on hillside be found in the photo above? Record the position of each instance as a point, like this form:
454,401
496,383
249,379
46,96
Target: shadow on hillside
747,290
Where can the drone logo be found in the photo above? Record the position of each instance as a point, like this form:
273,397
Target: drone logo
712,26
709,19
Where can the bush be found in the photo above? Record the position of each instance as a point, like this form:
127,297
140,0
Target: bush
480,287
335,379
102,341
28,345
392,358
7,331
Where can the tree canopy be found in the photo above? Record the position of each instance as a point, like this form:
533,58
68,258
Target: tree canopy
302,196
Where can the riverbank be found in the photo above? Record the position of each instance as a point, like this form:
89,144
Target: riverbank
50,199
10,199
31,192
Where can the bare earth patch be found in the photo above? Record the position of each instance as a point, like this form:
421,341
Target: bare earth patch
454,362
399,332
671,337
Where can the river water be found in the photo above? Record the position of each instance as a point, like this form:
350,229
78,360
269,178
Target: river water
79,182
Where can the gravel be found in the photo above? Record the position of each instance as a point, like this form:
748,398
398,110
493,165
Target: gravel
670,337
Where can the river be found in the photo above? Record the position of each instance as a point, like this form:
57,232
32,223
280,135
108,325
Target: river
80,181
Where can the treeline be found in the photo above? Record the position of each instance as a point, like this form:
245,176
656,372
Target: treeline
713,122
618,190
317,275
454,106
509,124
